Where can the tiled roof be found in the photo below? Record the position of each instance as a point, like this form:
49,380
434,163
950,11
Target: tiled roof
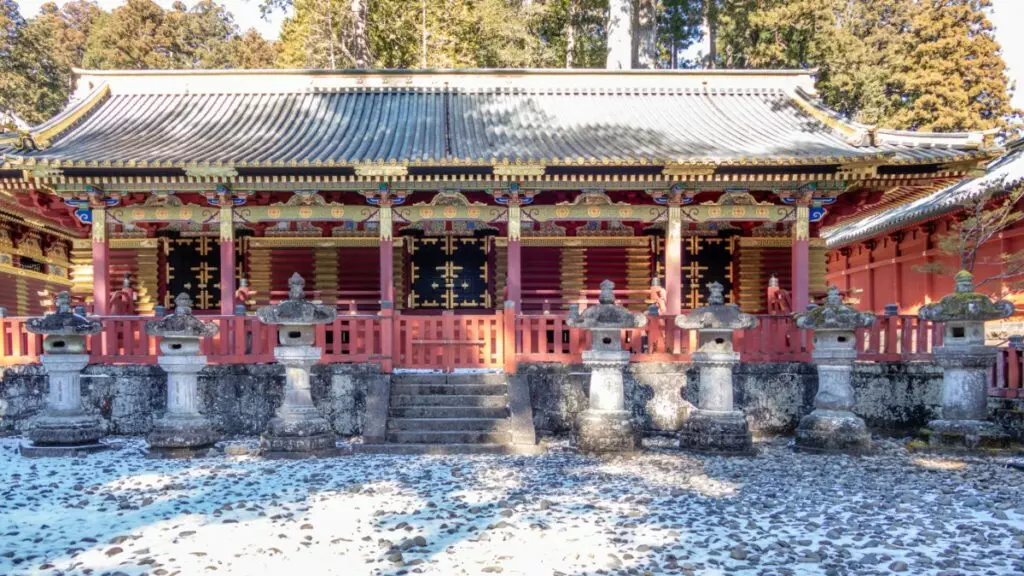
1003,173
295,118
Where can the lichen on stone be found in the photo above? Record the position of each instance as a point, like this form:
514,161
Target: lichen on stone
63,322
964,304
834,315
296,311
182,323
717,315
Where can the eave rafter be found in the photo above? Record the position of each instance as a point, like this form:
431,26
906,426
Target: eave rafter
127,183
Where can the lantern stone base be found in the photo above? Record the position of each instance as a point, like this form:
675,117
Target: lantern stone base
65,429
298,428
299,433
607,431
829,431
716,432
29,450
182,431
966,435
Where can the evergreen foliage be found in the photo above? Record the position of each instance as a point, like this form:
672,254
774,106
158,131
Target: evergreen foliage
907,64
913,64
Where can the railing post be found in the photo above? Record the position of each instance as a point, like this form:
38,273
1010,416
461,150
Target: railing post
510,331
387,342
654,343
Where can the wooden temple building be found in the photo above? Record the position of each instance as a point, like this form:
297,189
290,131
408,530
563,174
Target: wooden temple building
878,254
419,197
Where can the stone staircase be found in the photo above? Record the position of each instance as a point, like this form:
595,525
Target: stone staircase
448,414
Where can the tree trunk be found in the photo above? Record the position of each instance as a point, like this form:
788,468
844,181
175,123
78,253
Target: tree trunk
711,24
360,43
620,44
570,34
645,34
423,53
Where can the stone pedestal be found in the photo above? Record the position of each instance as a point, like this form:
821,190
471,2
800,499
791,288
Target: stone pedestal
716,426
297,426
966,362
832,426
963,424
63,424
182,428
606,426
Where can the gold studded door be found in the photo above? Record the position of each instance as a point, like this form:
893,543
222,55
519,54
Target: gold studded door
449,273
192,265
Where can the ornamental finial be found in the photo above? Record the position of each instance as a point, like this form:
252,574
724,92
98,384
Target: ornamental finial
833,298
63,303
296,287
964,282
715,294
183,304
607,295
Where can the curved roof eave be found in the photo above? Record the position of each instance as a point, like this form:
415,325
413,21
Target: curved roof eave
1006,172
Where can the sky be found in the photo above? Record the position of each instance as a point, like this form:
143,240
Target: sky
1005,15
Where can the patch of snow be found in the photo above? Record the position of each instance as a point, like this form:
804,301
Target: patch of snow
656,511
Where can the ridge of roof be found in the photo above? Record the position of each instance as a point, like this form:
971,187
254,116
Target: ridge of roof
858,134
287,81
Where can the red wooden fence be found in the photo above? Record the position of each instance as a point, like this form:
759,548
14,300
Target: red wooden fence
1006,380
449,341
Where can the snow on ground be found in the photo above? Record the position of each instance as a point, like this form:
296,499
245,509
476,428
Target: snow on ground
658,512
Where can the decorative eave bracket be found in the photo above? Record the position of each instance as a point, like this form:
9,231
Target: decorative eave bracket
519,170
383,170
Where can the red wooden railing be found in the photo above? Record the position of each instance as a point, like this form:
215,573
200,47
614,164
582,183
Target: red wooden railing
895,338
1006,378
449,341
548,301
546,338
239,340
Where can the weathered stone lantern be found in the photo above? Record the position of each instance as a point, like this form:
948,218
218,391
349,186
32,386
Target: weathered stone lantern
297,426
966,362
832,426
64,428
716,426
182,428
606,425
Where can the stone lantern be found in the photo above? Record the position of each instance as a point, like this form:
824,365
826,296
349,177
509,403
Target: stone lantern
966,362
182,427
832,426
716,425
297,426
606,425
64,428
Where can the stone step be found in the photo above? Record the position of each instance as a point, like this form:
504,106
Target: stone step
483,378
447,424
434,378
451,389
442,449
418,378
461,437
447,412
459,400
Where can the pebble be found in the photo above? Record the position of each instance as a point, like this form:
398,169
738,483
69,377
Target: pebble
660,511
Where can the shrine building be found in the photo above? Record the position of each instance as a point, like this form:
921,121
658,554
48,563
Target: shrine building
444,213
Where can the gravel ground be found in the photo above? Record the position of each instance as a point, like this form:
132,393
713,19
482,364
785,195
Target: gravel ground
659,512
